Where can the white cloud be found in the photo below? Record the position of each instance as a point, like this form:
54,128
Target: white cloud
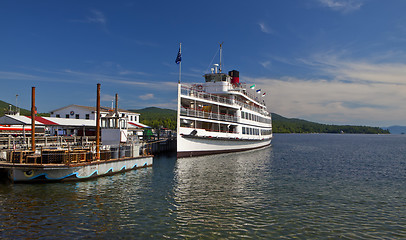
107,97
362,70
265,64
129,72
96,17
147,96
169,105
77,77
342,5
360,93
264,28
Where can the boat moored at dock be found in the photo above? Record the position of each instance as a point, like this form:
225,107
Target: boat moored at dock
221,115
67,165
118,151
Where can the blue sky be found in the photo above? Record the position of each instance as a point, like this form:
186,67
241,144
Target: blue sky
329,61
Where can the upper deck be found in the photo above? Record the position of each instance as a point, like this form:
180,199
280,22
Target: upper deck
225,93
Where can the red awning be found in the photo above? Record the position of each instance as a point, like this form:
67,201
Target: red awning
137,125
43,121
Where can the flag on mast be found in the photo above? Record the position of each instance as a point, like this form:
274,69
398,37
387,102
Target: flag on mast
179,60
259,91
179,57
252,87
264,94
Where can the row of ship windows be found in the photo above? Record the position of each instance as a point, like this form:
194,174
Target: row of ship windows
255,131
250,116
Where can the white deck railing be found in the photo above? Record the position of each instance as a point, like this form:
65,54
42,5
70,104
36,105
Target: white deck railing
193,92
208,115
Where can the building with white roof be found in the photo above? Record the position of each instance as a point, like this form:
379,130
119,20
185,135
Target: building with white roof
78,120
84,112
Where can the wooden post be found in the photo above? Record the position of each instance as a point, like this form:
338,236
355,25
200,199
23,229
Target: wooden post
116,112
69,158
40,157
33,112
98,123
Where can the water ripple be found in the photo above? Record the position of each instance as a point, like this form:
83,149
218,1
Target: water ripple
305,186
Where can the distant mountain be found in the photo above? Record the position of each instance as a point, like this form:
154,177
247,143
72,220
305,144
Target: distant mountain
295,125
4,107
157,117
397,129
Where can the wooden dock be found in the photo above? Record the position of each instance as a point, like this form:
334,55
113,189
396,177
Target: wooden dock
162,146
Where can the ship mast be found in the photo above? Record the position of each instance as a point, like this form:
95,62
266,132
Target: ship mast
221,52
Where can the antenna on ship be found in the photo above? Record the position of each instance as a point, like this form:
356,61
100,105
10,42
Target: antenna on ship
221,52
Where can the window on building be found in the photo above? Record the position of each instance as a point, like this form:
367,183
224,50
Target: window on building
87,116
77,116
58,116
67,116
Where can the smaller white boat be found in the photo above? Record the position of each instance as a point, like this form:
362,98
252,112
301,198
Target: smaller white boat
117,153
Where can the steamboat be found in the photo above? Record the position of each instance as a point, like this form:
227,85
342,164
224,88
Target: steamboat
221,115
117,152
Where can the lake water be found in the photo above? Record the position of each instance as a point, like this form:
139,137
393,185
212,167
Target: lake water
308,186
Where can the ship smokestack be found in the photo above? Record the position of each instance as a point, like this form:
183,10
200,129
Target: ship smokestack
235,76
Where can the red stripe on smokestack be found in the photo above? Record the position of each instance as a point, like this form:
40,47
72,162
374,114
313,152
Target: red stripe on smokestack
235,76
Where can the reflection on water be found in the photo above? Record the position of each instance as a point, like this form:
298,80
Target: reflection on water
81,209
223,195
304,186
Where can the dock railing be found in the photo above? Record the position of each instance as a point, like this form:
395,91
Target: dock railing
20,142
76,155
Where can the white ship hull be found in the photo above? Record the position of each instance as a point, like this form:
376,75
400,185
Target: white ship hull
61,172
189,146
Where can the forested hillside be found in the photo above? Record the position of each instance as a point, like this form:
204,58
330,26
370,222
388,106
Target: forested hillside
294,125
156,117
4,107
